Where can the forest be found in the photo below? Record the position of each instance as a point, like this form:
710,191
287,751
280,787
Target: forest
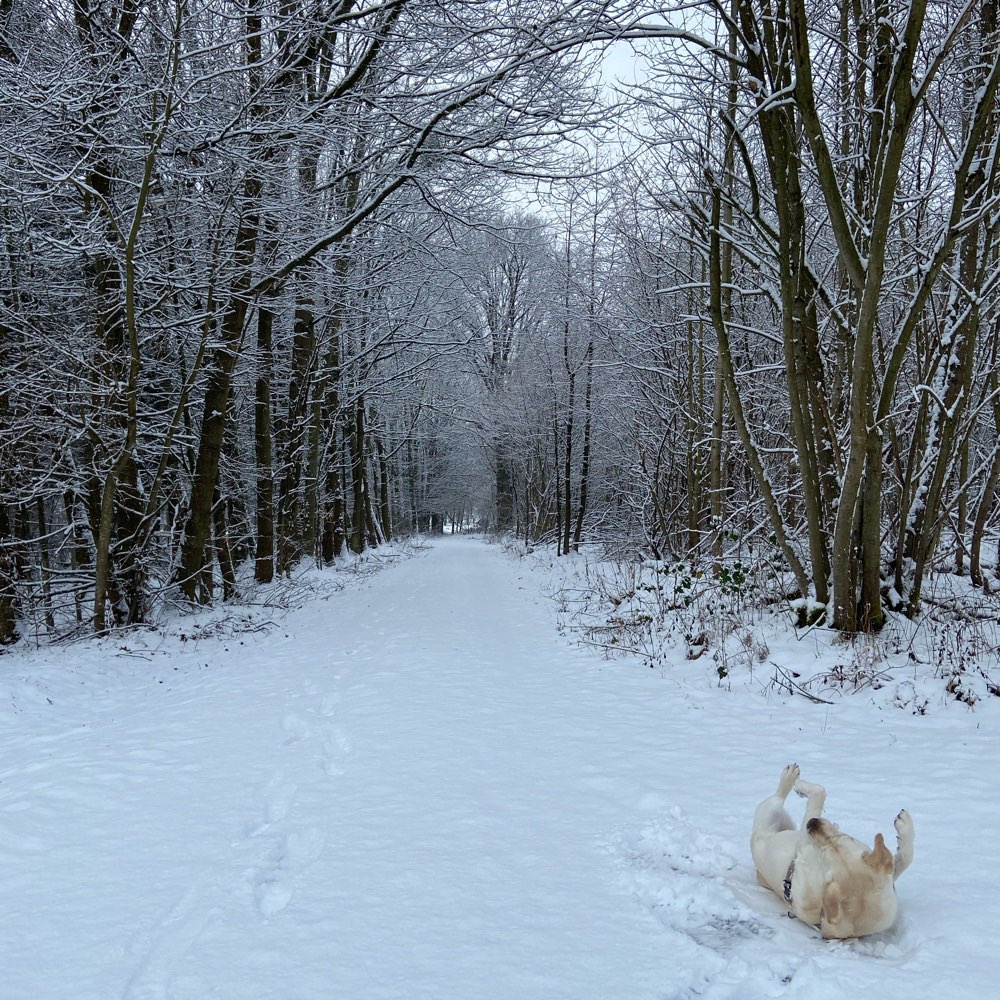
281,280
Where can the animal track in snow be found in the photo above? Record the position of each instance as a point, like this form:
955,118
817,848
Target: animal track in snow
278,796
303,847
336,746
296,728
273,877
289,849
341,739
271,892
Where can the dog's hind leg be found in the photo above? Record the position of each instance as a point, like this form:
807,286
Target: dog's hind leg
771,816
789,776
773,840
904,844
815,796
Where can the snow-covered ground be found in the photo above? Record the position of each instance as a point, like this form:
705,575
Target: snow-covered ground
418,789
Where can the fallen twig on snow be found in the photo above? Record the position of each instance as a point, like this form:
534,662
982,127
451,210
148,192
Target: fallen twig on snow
793,686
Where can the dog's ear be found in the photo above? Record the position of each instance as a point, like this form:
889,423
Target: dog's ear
830,913
879,857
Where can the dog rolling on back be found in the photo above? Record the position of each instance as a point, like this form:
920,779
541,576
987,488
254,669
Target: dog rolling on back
827,878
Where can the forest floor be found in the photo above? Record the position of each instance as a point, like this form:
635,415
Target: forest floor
416,788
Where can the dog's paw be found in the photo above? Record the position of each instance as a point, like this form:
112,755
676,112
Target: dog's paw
904,825
789,776
904,843
807,788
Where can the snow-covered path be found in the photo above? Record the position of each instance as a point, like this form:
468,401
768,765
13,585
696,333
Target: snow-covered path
417,789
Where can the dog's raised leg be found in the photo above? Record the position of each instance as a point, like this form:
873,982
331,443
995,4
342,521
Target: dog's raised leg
789,775
904,843
770,816
770,819
815,796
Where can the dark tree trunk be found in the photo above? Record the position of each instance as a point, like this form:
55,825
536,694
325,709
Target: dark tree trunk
264,556
290,526
585,459
567,514
384,497
78,550
8,593
334,529
505,488
195,570
223,549
358,463
197,532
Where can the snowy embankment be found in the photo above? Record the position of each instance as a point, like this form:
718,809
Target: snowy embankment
417,789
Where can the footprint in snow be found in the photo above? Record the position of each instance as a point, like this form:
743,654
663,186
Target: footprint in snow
271,890
272,879
341,739
336,747
272,897
277,798
303,847
296,728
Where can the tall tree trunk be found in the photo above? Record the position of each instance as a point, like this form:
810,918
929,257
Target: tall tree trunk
870,614
962,514
78,551
223,550
581,512
359,526
44,562
985,507
197,531
952,379
195,565
334,527
334,513
557,481
504,484
8,592
567,514
264,558
385,494
290,524
728,374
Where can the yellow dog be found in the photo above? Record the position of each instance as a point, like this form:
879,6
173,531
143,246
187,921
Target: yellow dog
827,879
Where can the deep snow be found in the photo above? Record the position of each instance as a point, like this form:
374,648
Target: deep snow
418,789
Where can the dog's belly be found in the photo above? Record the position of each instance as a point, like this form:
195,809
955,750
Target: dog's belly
773,854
